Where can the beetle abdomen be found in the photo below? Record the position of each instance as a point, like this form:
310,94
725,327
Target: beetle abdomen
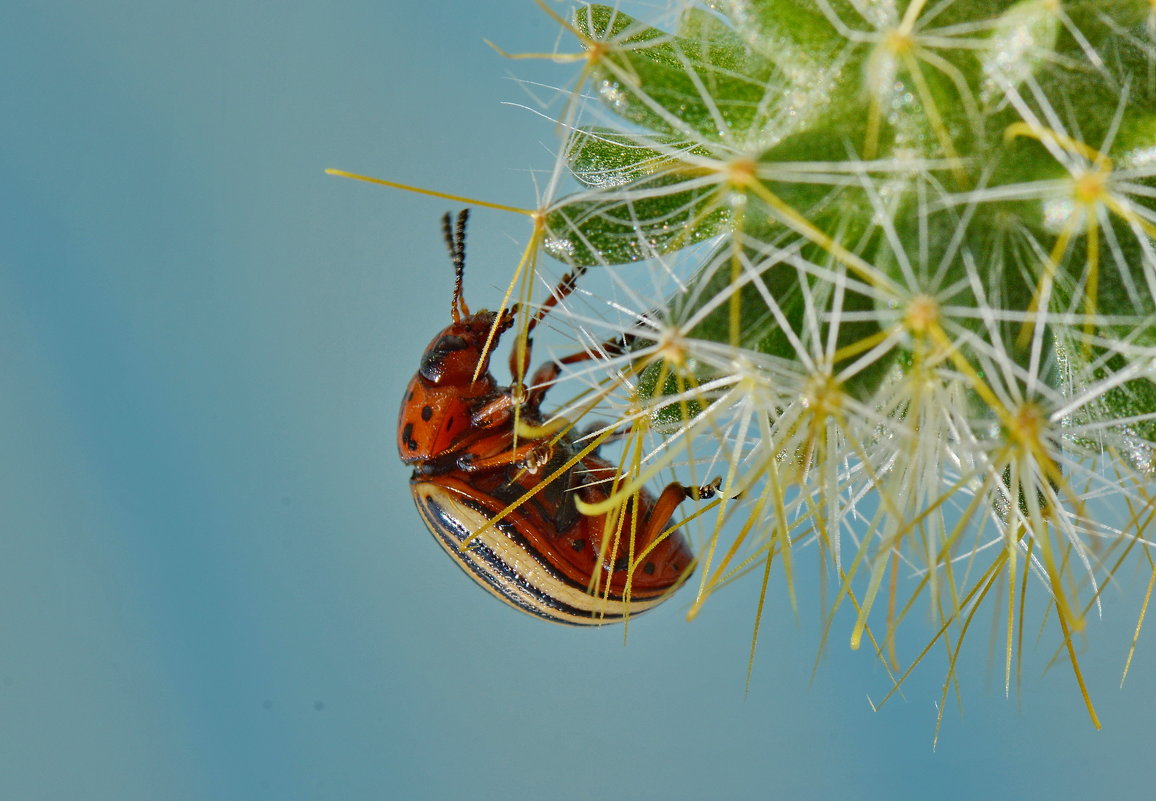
508,564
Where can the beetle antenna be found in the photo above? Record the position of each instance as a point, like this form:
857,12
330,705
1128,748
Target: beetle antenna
455,237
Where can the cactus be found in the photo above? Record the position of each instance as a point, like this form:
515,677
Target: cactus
909,310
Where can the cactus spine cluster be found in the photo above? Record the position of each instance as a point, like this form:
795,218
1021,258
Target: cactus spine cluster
911,308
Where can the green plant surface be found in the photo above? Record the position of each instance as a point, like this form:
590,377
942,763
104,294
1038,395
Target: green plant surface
921,338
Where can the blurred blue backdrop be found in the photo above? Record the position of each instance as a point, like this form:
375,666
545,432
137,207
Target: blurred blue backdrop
213,582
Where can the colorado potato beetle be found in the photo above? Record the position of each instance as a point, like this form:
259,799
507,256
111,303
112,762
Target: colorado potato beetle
472,462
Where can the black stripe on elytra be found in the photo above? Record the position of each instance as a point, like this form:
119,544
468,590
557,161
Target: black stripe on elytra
494,570
512,532
452,533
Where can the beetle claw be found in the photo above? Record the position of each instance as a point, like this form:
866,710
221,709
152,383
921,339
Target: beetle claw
706,491
538,457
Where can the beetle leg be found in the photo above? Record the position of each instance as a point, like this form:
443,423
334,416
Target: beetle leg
672,495
530,454
493,411
565,286
547,374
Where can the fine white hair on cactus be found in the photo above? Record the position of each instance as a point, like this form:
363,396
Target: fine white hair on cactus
889,270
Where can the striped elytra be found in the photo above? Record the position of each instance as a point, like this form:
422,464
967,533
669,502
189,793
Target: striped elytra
541,556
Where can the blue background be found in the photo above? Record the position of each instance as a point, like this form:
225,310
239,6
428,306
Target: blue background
213,583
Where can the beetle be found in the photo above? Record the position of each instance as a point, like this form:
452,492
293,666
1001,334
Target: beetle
480,460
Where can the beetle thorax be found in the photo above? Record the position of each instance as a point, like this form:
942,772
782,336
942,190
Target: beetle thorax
459,353
440,400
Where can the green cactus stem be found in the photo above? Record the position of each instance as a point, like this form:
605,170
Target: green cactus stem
921,338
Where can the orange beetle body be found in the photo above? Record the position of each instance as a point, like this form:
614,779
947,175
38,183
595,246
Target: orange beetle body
441,397
542,555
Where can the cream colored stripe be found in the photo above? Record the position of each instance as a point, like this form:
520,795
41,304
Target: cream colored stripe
522,563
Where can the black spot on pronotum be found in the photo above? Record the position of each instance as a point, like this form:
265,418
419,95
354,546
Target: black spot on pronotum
431,360
450,343
426,413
